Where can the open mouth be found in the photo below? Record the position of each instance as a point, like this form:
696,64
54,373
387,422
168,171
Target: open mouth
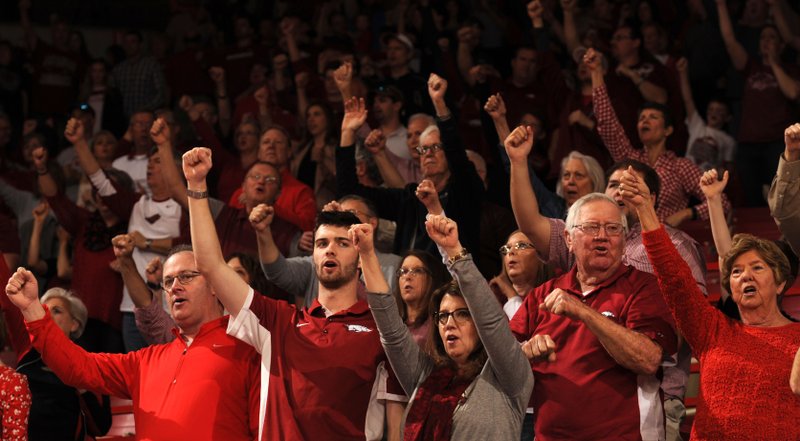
451,338
330,265
601,249
749,290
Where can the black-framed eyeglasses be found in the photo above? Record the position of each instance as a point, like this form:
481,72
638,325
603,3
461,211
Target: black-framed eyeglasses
424,149
593,228
460,316
519,246
418,271
182,278
268,179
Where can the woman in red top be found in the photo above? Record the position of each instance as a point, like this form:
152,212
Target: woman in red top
744,366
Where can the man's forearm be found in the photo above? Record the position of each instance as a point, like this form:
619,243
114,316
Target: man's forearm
632,350
137,288
267,250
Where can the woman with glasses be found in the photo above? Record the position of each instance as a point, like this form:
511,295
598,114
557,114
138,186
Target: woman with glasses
522,271
744,366
419,275
476,381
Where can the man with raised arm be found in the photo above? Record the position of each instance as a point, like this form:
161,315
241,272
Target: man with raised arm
325,361
204,385
443,161
547,236
595,334
296,275
679,176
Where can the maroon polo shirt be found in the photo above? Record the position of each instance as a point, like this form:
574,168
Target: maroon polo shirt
236,234
585,394
325,366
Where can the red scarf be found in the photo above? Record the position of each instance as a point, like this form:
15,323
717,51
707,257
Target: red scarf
431,414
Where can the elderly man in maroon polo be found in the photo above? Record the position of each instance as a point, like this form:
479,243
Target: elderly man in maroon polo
596,334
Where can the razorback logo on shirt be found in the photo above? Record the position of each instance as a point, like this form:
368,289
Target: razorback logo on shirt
358,328
608,314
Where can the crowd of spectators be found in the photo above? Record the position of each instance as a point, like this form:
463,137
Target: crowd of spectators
577,137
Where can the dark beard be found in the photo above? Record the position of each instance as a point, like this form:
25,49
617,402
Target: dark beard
345,276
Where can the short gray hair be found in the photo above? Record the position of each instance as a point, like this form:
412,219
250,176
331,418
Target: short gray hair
429,119
427,132
76,308
593,169
574,214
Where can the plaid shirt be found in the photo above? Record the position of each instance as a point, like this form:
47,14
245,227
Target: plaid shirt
141,83
680,177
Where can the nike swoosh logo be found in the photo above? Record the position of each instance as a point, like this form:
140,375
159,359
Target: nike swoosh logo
302,324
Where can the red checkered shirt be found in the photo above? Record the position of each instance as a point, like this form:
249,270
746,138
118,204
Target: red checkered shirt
680,177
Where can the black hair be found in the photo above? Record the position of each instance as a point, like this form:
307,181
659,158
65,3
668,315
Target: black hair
258,280
665,112
651,178
344,219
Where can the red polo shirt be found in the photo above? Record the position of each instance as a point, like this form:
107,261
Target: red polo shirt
330,369
208,390
296,202
585,394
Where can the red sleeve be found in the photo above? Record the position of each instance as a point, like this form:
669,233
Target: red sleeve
122,201
697,320
109,374
15,324
647,314
69,215
608,126
270,311
296,204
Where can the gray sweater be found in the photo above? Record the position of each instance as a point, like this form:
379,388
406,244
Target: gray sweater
497,398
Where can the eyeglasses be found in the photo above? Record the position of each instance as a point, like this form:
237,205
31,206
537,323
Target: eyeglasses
519,246
267,179
424,149
593,228
460,316
182,278
418,271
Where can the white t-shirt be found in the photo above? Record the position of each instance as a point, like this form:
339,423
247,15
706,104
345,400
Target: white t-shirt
155,220
708,147
136,168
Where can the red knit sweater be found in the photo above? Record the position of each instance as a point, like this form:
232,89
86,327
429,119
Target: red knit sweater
744,370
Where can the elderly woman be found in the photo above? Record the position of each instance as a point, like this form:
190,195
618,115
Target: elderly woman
56,409
476,382
580,174
744,366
